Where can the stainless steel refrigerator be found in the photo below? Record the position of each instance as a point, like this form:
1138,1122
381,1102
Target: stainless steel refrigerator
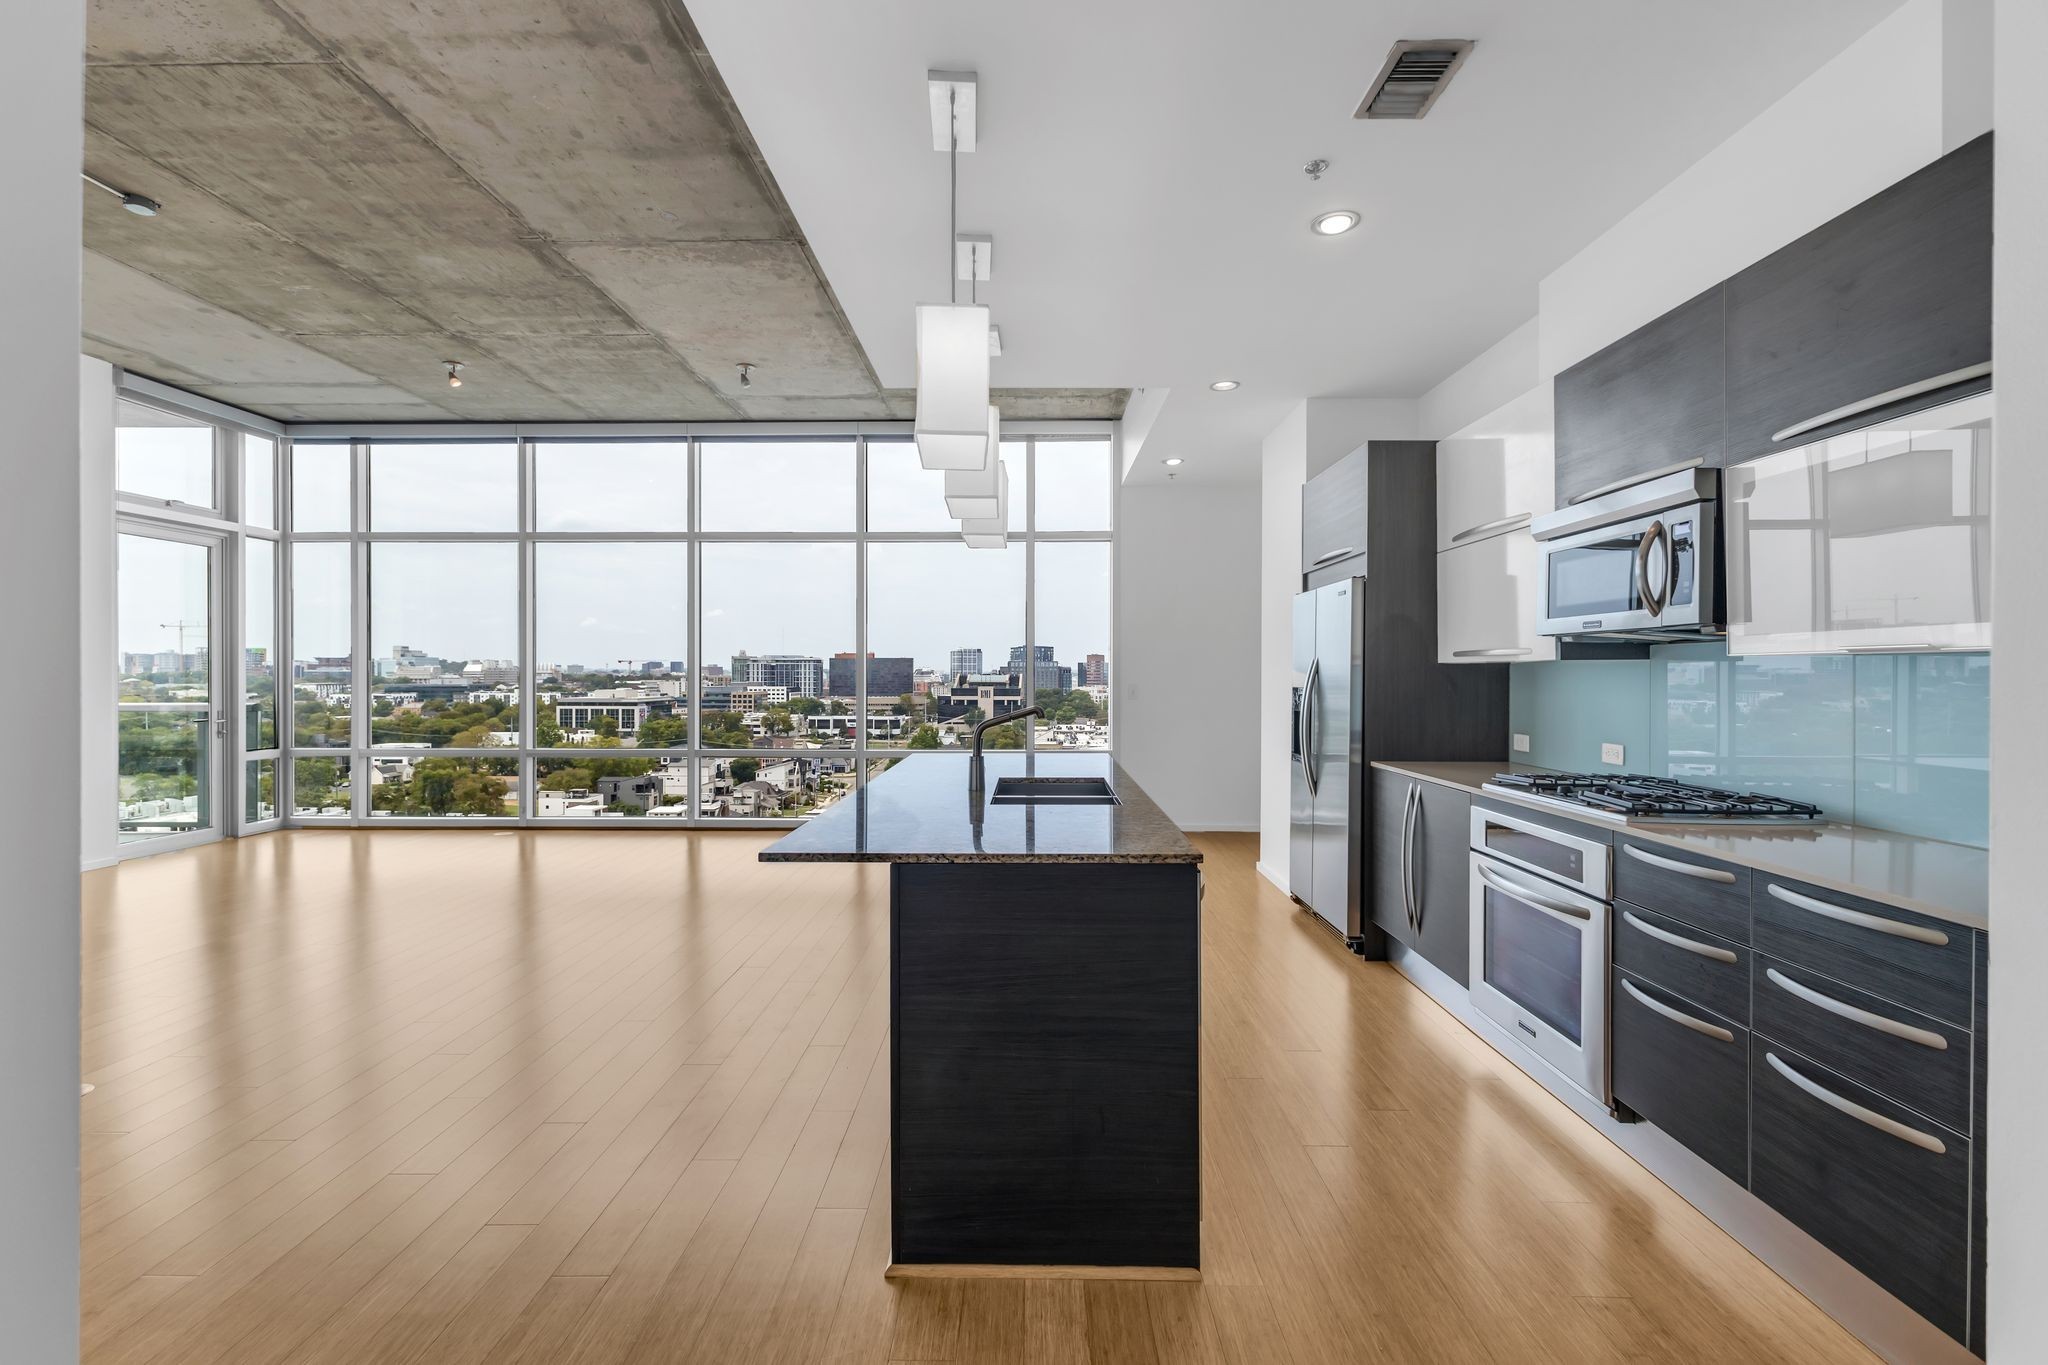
1324,864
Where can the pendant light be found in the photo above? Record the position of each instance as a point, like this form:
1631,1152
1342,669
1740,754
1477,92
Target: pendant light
991,532
971,493
952,424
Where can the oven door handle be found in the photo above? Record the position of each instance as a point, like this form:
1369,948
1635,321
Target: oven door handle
1529,895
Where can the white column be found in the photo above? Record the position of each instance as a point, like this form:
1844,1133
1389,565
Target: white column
41,74
98,687
2018,1178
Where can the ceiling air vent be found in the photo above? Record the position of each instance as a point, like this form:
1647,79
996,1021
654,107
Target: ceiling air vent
1416,72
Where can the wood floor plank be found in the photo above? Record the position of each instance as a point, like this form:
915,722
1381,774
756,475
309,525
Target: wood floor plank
455,1097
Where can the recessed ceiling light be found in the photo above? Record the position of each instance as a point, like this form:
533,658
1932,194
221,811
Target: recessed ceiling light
1334,222
1172,462
1224,385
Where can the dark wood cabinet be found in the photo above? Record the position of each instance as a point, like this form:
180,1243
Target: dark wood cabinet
1913,1058
1333,514
1876,1183
1421,840
1704,892
1712,971
1913,960
1684,1069
1650,401
1894,292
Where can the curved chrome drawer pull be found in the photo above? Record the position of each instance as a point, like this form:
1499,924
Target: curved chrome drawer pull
1858,918
1514,519
1685,1020
1529,895
1705,874
1856,1111
1334,554
1666,936
1924,1037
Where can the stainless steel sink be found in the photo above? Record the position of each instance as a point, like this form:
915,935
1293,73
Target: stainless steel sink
1052,791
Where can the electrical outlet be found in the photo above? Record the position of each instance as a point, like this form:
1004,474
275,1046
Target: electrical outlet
1521,744
1611,753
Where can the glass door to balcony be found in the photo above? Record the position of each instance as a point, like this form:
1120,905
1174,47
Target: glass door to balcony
173,730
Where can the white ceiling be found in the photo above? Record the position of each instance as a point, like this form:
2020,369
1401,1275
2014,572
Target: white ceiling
1139,167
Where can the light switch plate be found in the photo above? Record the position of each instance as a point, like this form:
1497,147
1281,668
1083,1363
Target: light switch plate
1521,744
1611,753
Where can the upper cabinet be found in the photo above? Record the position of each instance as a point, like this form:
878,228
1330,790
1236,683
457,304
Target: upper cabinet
1877,540
1488,485
1864,317
1333,514
1647,404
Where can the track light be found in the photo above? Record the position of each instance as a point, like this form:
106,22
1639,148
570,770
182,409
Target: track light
141,205
454,373
746,369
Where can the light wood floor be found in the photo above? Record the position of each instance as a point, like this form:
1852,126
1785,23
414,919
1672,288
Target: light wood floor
566,1097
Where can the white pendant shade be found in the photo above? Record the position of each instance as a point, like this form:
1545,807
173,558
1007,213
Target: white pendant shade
952,385
992,532
972,493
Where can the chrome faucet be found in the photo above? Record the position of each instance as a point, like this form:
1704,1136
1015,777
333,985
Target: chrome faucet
975,779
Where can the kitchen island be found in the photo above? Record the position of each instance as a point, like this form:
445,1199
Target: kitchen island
1044,1014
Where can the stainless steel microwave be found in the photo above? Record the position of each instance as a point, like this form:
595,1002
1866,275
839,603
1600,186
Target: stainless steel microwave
1641,561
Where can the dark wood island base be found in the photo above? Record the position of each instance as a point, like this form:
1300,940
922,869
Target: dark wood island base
1044,1026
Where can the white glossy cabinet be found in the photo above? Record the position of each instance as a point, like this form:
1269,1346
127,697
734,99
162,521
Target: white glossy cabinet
1489,600
1485,485
1877,541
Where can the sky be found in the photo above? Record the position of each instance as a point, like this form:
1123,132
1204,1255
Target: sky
597,603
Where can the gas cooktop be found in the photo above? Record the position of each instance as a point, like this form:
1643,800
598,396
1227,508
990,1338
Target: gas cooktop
1629,797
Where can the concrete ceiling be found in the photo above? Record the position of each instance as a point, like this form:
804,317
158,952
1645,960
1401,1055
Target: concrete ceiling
1140,169
557,193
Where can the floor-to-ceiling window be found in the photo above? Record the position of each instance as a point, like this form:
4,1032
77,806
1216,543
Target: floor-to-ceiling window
197,626
709,628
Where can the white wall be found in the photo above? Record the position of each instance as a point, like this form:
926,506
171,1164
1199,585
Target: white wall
1497,376
1283,468
40,109
2019,738
1187,671
1864,120
98,686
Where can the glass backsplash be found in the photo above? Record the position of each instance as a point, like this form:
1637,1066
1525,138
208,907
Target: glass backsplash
1893,741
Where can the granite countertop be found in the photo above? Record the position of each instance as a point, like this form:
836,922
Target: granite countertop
1946,881
919,812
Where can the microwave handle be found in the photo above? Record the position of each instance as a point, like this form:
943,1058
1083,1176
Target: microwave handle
1656,601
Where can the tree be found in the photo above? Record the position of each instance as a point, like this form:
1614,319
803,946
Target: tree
664,732
973,716
1003,737
547,730
805,706
926,737
607,727
906,704
777,721
744,770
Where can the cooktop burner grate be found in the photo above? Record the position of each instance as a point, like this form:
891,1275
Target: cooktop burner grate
1632,796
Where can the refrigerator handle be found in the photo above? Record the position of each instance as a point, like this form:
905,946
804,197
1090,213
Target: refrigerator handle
1295,723
1308,724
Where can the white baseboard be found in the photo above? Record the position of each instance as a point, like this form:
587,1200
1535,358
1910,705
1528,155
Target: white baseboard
1278,879
1844,1293
1220,827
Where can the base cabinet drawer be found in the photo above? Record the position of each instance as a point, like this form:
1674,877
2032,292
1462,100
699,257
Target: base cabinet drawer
1879,1185
1699,966
1910,1057
1704,893
1684,1069
1915,960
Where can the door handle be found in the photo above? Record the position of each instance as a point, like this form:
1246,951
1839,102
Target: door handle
1843,1009
1654,601
1333,554
1489,653
1666,936
1840,1104
1604,489
1308,724
1879,400
1856,917
1705,874
1529,895
1517,519
1676,1016
1408,858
